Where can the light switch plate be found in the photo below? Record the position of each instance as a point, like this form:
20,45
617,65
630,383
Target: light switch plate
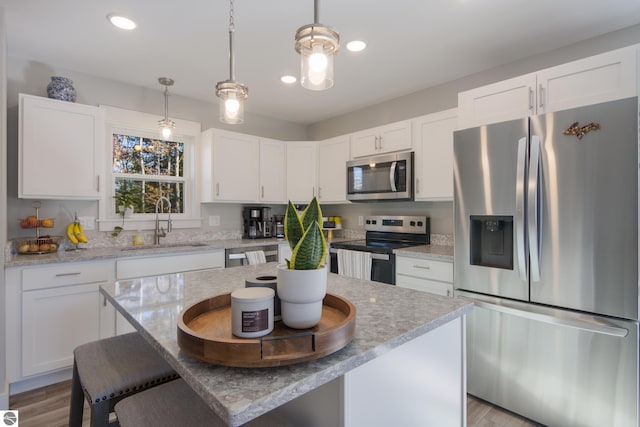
361,220
87,222
214,220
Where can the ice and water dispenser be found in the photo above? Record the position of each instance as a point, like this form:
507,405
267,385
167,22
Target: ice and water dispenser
492,241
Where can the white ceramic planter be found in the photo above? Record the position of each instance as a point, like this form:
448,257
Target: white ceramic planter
301,293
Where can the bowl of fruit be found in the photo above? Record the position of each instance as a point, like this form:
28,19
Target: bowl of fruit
39,245
33,221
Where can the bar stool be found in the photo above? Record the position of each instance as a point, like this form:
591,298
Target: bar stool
108,370
175,404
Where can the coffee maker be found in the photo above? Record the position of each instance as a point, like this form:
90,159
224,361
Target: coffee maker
278,226
256,221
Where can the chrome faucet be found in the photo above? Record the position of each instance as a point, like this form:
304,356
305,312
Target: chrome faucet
159,232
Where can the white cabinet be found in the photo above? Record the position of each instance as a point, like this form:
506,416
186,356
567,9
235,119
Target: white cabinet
433,143
424,275
301,171
272,171
382,139
229,166
60,149
333,155
506,100
51,310
600,78
129,268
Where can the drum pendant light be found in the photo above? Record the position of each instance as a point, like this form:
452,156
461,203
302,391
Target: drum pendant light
166,125
316,44
232,94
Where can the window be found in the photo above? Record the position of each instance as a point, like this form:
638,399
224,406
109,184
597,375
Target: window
146,169
142,168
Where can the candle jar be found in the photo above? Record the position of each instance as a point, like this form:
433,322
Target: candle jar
252,312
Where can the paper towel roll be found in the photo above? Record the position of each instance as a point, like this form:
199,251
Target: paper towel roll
267,282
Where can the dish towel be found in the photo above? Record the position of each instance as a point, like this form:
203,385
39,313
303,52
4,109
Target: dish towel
356,264
255,257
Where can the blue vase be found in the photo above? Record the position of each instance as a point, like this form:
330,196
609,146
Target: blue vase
61,88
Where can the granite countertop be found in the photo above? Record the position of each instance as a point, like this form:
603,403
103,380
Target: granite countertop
92,254
387,316
435,252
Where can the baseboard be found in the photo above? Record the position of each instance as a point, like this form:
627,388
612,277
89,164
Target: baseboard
40,381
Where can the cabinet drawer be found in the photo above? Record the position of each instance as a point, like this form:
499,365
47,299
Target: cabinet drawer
169,264
72,273
425,268
432,286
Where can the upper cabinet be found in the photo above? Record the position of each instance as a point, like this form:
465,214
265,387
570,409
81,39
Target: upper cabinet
433,143
382,139
60,149
272,171
229,166
333,155
301,171
599,78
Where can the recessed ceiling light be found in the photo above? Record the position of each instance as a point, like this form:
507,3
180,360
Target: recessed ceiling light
356,46
288,79
121,22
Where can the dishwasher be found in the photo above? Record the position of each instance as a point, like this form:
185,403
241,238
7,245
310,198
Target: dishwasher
235,257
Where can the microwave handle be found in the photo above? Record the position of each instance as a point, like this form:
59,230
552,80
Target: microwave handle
392,176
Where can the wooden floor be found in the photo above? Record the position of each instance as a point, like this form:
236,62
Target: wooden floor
49,407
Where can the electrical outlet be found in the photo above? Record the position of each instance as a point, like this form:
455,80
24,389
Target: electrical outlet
214,220
87,222
360,220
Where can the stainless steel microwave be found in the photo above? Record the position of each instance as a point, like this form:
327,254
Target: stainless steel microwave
384,177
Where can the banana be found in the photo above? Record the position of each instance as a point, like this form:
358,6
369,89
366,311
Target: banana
71,233
79,232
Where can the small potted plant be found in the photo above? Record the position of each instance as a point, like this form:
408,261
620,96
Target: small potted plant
124,200
302,281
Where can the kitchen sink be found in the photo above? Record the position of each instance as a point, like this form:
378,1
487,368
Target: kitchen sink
167,245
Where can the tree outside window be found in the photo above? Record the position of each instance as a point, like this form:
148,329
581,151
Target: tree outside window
146,169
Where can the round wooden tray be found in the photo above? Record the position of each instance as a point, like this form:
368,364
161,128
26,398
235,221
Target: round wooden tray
204,332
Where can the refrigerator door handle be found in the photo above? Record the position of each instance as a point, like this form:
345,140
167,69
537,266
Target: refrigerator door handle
600,327
392,176
520,209
533,209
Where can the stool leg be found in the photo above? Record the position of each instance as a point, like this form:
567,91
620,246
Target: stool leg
100,414
77,400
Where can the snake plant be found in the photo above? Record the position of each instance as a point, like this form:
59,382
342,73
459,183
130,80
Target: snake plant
304,234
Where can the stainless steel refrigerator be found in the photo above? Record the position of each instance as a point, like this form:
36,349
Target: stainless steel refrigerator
546,244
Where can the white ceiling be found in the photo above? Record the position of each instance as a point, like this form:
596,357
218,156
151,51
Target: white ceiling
412,44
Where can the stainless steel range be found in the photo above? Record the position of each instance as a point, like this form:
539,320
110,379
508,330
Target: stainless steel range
383,235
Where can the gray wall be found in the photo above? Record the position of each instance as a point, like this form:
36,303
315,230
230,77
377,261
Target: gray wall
32,77
445,96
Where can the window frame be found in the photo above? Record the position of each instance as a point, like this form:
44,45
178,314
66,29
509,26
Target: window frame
145,125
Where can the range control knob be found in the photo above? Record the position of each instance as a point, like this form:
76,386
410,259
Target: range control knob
419,223
412,223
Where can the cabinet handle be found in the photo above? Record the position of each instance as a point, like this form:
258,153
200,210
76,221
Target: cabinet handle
104,301
530,99
262,191
313,192
448,292
217,188
380,142
375,143
541,94
418,185
98,183
68,274
424,267
319,192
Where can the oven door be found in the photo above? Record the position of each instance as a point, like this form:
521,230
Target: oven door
383,266
387,177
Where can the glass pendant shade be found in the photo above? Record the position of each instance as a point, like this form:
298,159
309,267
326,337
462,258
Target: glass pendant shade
166,125
317,44
232,96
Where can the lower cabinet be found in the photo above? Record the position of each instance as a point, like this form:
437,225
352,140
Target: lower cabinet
50,311
424,275
131,268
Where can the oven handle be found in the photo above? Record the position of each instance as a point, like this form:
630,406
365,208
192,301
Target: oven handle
383,257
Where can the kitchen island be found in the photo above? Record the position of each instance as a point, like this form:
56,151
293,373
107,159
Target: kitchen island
405,365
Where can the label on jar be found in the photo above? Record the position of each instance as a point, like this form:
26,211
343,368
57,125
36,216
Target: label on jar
255,321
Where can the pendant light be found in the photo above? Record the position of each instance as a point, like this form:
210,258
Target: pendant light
166,125
232,94
316,44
